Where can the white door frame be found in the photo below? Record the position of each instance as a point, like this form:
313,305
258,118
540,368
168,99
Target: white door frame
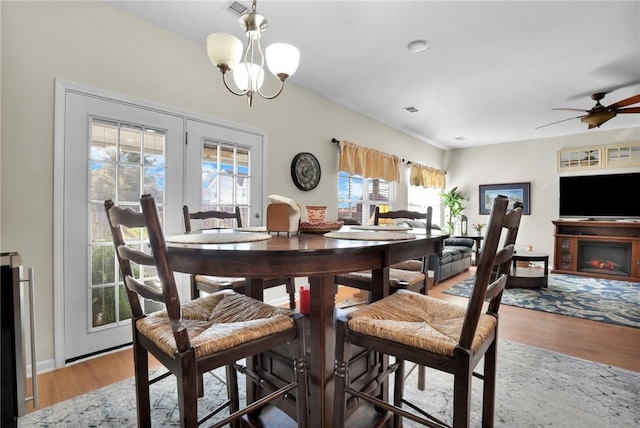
62,87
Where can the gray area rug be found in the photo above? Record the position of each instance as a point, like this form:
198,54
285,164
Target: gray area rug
605,300
535,388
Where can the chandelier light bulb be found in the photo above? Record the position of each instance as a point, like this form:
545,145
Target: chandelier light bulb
282,59
225,50
241,77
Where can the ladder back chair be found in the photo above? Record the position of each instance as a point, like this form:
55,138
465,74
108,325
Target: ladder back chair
434,333
410,274
201,335
211,284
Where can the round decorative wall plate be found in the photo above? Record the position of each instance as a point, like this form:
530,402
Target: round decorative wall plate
305,171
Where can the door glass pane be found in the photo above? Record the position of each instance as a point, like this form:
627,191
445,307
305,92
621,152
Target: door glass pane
130,143
103,179
242,178
226,180
103,306
129,183
103,140
126,161
123,303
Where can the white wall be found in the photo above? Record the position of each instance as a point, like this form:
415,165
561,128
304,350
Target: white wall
528,161
97,45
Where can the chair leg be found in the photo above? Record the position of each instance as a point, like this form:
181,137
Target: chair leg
232,392
187,390
341,375
421,377
195,293
141,365
462,394
489,386
300,370
290,284
398,391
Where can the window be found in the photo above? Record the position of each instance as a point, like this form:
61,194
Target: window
358,196
419,198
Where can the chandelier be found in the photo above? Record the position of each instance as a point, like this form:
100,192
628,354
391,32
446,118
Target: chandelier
226,51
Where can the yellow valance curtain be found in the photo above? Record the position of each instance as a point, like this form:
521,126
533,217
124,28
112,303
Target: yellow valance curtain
425,176
358,160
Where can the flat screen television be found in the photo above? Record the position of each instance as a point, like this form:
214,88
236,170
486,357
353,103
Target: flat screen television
608,196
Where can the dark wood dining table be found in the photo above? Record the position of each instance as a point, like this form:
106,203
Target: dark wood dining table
319,258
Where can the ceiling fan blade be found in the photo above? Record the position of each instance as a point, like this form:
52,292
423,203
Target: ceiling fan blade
560,121
629,110
626,102
571,109
608,89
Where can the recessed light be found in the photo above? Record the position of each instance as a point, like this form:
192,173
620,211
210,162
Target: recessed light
418,46
461,138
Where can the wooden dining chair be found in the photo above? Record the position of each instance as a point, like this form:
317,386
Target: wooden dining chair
201,335
434,333
211,284
409,274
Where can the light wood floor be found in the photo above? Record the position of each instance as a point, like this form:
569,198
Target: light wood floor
595,341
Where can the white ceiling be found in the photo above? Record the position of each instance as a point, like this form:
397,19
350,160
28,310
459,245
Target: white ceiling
492,73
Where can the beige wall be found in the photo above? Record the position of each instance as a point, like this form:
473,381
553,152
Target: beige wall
95,44
532,161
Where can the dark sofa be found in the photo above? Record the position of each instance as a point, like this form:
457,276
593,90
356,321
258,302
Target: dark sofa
454,258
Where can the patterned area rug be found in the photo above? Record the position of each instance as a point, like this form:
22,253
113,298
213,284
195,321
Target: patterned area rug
614,302
535,388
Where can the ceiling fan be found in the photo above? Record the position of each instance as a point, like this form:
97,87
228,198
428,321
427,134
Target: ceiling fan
599,114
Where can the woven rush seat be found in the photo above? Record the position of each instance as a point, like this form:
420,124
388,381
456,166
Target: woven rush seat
215,281
414,265
396,277
217,322
418,321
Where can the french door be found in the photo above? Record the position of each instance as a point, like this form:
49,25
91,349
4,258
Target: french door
112,151
116,148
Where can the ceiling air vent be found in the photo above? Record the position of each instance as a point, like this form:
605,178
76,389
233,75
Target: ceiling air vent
235,8
411,109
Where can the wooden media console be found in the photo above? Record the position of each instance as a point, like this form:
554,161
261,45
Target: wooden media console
599,249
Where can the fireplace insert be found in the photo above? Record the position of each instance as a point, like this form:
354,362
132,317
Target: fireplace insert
610,258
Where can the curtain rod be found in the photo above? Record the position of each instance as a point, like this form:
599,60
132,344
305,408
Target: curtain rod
336,141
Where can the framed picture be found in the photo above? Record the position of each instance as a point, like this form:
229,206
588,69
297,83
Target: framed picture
516,192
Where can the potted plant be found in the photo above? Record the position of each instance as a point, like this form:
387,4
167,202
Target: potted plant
452,200
478,227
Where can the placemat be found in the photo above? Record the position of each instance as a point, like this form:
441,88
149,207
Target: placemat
371,236
381,227
251,229
217,238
